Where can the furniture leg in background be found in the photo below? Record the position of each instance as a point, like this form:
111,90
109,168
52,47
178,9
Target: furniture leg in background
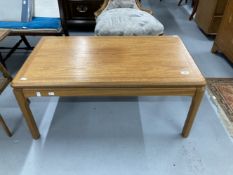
195,5
7,130
186,1
3,84
2,60
3,34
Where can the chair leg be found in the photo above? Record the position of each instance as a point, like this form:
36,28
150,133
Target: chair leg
186,1
2,60
5,73
195,5
193,2
180,2
7,130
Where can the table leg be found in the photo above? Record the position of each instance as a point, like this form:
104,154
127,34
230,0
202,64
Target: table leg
195,6
2,60
214,48
180,2
192,111
23,103
8,132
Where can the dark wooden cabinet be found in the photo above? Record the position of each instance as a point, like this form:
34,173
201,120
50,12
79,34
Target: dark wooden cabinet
78,12
224,39
209,15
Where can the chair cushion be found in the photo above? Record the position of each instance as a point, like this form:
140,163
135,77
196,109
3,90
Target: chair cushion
127,21
121,4
16,10
36,23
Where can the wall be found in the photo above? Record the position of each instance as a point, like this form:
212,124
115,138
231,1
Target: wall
46,8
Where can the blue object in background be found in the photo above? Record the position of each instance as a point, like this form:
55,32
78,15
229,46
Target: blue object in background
36,23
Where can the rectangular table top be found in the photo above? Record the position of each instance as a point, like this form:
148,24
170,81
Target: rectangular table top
82,61
3,33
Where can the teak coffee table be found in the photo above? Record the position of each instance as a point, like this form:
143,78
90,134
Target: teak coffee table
109,66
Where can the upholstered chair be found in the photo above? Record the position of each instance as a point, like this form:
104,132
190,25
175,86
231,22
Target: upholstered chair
126,18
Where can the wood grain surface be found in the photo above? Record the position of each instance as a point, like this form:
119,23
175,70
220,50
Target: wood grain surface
109,62
109,66
3,33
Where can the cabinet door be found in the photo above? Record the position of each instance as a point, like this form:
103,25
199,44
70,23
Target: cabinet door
205,15
209,15
80,9
224,38
221,4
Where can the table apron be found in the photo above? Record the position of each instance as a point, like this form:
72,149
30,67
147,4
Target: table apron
186,91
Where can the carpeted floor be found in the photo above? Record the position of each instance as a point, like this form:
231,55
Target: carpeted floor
221,90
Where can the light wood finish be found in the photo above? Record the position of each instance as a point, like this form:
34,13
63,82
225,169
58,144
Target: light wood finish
24,106
224,39
36,32
108,66
192,111
3,33
4,81
110,91
209,15
30,32
105,4
109,61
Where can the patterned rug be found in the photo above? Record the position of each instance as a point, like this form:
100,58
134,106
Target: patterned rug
221,92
